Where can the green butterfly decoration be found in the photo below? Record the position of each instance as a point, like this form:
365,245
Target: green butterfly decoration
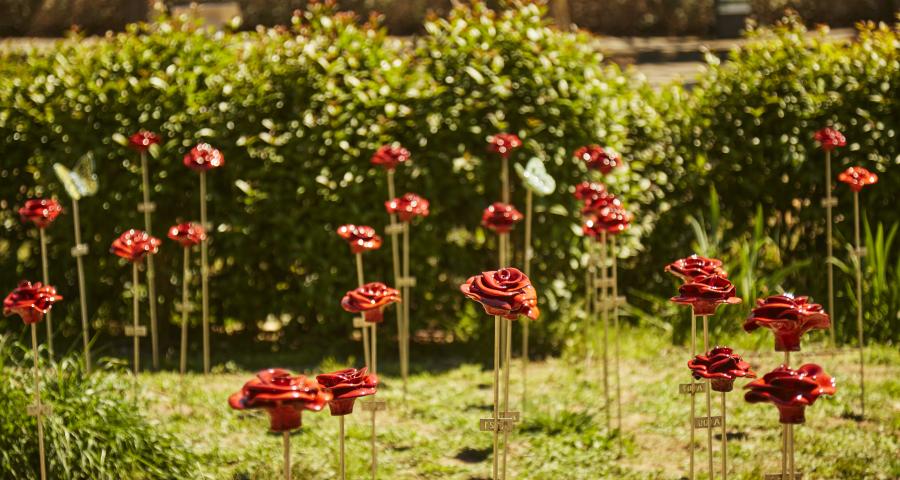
536,178
81,181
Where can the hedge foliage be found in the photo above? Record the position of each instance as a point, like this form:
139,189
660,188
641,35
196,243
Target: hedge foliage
298,111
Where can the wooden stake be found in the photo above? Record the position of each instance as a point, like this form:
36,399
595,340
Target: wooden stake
204,272
136,304
185,299
82,294
151,276
45,270
859,307
37,402
287,455
829,244
604,308
341,446
525,320
709,414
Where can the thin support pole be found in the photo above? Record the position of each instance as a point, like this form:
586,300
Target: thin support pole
859,307
37,402
404,333
507,364
604,305
82,294
136,303
529,210
709,429
615,309
395,257
374,349
589,303
374,449
185,299
204,273
342,468
287,455
151,275
365,329
791,450
45,270
693,392
724,441
829,244
785,450
504,178
498,325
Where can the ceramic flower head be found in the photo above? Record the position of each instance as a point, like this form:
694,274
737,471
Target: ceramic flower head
857,178
788,317
830,139
535,177
503,144
694,266
611,219
346,386
705,293
791,390
30,301
407,207
506,292
142,140
500,217
133,245
598,158
40,211
81,181
721,365
204,157
187,234
370,300
389,156
587,190
283,396
361,238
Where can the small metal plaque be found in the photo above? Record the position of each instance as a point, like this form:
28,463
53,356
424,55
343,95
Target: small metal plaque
42,409
80,250
833,201
691,388
704,422
374,405
146,207
861,252
131,331
496,424
514,416
360,322
782,476
394,229
406,282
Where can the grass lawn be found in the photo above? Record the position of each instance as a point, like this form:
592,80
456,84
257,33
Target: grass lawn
563,433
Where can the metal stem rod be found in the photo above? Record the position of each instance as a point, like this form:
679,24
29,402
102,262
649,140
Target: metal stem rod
287,455
404,333
724,441
45,270
395,257
784,433
859,307
341,447
185,299
151,275
504,178
604,306
37,402
709,429
136,303
374,449
615,309
693,393
529,211
204,272
498,325
589,303
829,244
365,329
82,294
506,367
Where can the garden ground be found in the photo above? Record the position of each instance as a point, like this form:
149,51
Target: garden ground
562,436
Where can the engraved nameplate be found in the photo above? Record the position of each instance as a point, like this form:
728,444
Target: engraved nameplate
833,201
780,476
146,207
406,282
43,409
704,422
514,416
394,229
374,405
690,388
80,250
131,331
496,425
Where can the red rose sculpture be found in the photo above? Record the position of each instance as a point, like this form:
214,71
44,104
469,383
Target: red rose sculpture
598,158
283,396
504,143
31,301
133,245
389,156
40,211
791,390
142,140
587,190
721,365
705,293
695,266
187,234
788,317
407,207
204,157
830,139
370,300
611,219
857,178
506,292
500,217
345,387
360,237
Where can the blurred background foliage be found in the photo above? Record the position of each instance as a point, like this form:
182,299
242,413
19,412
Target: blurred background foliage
729,168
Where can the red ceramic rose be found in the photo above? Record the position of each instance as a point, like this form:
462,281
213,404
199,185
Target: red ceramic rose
40,211
788,317
500,217
506,292
721,365
611,219
857,178
504,143
791,390
345,387
586,190
203,157
187,234
407,207
283,396
694,266
598,158
31,301
142,140
705,293
830,138
370,300
360,237
389,156
133,245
